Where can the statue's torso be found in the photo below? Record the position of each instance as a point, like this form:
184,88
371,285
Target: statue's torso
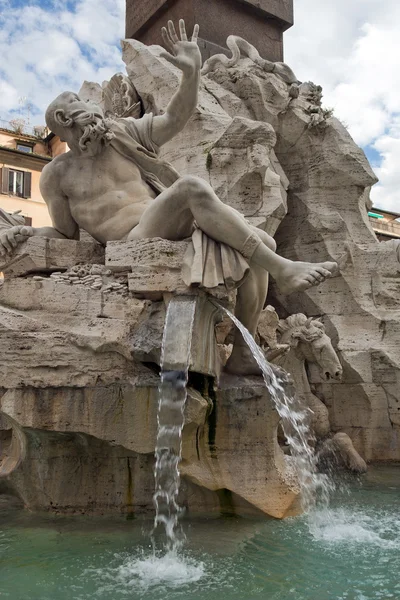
106,193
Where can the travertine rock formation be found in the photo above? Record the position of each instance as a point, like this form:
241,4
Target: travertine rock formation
328,179
79,353
81,328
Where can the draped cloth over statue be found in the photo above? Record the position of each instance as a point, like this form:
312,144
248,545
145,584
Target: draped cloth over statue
207,263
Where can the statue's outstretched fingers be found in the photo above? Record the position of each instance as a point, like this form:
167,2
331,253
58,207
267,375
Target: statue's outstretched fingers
166,39
182,30
195,33
172,32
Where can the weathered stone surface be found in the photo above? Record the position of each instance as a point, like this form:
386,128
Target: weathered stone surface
123,414
75,473
91,91
329,186
52,336
220,446
156,265
236,157
330,180
13,445
232,442
242,172
41,254
50,297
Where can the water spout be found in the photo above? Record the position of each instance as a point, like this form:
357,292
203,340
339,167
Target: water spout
175,358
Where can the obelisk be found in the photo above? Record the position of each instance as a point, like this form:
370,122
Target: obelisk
260,22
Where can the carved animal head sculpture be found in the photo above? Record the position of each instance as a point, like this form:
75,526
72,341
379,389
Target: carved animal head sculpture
307,336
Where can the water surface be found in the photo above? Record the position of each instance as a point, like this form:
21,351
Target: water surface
351,552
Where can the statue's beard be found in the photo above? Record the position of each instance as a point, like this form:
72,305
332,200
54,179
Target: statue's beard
96,131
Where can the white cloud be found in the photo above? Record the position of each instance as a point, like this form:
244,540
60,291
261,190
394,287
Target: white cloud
48,50
8,96
386,194
351,48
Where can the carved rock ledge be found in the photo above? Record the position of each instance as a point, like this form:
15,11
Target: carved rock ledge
78,359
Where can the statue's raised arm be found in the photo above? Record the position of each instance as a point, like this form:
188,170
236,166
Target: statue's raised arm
185,55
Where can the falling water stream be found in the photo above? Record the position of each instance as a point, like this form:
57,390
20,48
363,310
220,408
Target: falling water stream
315,487
166,564
170,418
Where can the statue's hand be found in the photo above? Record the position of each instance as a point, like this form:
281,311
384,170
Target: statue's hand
182,54
10,238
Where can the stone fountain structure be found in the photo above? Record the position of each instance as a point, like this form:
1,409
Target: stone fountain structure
81,321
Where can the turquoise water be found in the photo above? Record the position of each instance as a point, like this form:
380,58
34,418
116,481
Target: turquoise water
350,553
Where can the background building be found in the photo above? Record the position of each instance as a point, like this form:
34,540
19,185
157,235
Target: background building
385,224
23,156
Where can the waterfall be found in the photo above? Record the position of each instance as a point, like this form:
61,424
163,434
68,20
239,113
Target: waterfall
175,358
167,566
315,487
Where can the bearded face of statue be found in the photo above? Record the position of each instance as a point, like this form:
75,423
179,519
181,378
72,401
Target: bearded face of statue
79,122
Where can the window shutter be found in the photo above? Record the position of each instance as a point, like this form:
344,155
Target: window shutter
27,184
4,180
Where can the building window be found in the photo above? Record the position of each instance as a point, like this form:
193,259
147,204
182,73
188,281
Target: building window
24,147
16,183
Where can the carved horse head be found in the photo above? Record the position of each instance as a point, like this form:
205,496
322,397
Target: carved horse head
308,339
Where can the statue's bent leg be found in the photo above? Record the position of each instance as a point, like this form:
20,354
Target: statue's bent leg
252,293
250,301
171,216
189,199
168,216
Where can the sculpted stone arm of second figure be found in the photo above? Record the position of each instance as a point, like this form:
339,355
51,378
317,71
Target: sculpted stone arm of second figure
11,237
185,55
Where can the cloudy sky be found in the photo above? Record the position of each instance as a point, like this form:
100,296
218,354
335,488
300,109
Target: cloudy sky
350,47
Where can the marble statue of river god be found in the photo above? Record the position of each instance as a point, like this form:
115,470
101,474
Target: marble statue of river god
113,184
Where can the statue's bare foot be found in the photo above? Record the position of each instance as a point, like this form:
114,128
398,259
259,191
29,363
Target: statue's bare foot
242,362
299,276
